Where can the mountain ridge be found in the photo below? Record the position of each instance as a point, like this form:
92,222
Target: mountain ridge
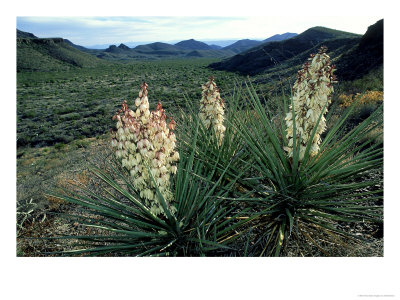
269,54
192,44
242,45
24,34
280,37
368,54
47,54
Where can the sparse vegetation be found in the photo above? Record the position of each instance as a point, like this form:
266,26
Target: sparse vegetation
60,106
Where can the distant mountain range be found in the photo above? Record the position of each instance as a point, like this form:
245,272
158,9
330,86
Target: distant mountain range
187,48
158,50
353,54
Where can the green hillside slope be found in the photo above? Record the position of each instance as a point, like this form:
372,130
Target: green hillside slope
367,56
34,54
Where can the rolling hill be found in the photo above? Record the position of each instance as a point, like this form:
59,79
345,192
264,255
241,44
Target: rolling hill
157,46
242,45
193,45
37,54
158,50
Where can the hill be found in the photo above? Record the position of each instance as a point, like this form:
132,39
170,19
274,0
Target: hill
25,35
242,45
245,44
193,45
215,47
159,50
368,55
35,54
81,48
120,49
270,54
280,37
159,47
209,53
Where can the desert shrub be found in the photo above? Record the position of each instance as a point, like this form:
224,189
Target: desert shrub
369,97
373,81
29,114
70,116
24,139
365,104
59,146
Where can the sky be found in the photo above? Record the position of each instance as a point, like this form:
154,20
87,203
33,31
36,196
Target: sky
94,30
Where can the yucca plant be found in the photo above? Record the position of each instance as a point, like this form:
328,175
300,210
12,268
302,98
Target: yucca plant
304,198
201,225
214,151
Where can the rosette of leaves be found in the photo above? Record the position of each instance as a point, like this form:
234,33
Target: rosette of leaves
306,203
201,225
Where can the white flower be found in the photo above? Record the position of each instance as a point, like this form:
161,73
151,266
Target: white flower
144,139
311,92
212,109
174,169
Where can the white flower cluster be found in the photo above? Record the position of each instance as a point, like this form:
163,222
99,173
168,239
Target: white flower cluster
311,92
212,109
144,139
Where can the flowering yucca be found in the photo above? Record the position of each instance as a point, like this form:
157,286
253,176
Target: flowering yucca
212,109
144,140
311,94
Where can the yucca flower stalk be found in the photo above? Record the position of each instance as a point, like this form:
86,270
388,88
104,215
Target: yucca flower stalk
311,95
212,109
145,143
208,149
